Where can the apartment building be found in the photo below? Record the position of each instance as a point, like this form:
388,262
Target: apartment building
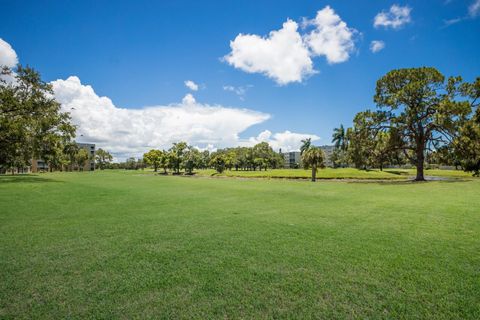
89,164
40,165
293,159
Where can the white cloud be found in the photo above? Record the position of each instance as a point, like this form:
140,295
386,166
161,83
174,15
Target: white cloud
395,18
191,85
240,91
131,132
473,12
209,147
8,56
285,55
376,46
189,99
449,22
287,141
281,56
474,9
128,132
331,37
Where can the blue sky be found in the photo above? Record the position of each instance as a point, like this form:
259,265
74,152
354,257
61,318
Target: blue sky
140,54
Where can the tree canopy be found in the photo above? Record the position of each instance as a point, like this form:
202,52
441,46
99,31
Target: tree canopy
313,158
420,109
32,125
103,158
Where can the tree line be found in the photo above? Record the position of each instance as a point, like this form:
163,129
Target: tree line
182,156
421,117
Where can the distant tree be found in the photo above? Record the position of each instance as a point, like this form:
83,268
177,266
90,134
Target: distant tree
81,158
313,158
191,159
153,158
382,151
217,161
339,158
465,148
360,141
70,150
176,155
250,159
165,161
263,154
339,138
130,164
140,164
276,161
53,153
420,109
204,159
230,159
103,158
306,143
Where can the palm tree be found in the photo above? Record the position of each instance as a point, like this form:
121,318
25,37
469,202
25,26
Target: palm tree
339,138
71,149
313,158
306,144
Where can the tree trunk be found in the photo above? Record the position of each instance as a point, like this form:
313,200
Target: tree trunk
420,164
314,173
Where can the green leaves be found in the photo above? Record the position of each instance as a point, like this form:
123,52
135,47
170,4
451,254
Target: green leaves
31,122
313,158
154,158
420,108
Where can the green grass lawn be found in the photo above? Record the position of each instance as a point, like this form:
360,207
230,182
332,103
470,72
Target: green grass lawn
130,245
340,173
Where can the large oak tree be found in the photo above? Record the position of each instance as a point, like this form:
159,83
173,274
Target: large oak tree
420,109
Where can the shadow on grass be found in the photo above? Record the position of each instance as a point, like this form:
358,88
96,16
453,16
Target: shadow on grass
24,178
397,172
412,181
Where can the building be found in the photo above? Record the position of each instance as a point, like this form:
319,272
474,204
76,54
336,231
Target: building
41,165
293,159
328,151
89,164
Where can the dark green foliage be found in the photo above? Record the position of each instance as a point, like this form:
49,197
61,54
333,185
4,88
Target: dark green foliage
339,138
103,158
154,158
261,156
313,158
32,126
219,162
420,110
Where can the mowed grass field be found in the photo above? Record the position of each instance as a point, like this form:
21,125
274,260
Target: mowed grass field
340,173
127,245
